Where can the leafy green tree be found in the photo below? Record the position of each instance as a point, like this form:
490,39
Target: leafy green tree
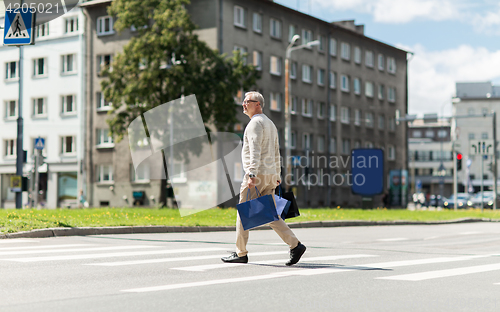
165,60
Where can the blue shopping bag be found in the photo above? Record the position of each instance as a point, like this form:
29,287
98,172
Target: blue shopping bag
258,211
282,205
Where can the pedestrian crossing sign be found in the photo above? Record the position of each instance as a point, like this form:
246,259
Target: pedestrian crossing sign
19,27
39,143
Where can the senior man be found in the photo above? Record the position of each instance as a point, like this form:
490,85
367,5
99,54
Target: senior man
261,162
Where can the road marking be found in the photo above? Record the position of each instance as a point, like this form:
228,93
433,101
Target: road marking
431,237
392,239
178,259
45,246
496,284
109,255
27,252
301,272
16,240
444,273
470,233
199,268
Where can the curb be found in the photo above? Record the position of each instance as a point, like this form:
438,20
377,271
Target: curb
56,232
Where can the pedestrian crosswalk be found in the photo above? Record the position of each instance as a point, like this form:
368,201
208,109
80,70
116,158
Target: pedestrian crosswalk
198,257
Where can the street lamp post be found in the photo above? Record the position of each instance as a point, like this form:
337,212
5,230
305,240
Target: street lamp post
288,92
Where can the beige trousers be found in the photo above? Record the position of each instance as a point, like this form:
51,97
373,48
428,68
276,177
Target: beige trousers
266,185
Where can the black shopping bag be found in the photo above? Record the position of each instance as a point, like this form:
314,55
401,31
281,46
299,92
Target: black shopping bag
258,211
293,211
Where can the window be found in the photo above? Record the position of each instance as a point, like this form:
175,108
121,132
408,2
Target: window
346,146
380,62
39,107
321,110
369,58
380,92
238,172
102,104
381,122
239,16
295,103
42,30
306,141
369,120
357,55
68,145
243,52
444,134
333,112
344,80
322,43
392,124
345,51
321,77
39,68
333,47
306,73
257,23
71,24
391,95
275,26
257,60
369,89
368,144
293,140
306,36
68,104
11,70
357,86
307,107
345,115
10,148
105,26
104,61
470,111
68,63
484,135
357,117
275,65
357,144
321,143
391,65
293,70
292,31
105,173
142,173
391,155
11,109
333,80
103,138
471,136
333,146
429,134
417,133
275,101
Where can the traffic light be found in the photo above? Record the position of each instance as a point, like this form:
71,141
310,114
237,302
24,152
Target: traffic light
459,161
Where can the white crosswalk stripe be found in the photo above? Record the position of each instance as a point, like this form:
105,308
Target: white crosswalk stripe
162,260
27,252
110,255
443,273
227,265
17,240
396,239
44,247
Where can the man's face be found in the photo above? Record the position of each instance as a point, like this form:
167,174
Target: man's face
250,106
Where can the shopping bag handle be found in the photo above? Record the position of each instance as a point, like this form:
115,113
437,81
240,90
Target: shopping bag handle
279,193
248,193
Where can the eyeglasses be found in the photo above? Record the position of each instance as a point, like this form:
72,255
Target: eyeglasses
249,101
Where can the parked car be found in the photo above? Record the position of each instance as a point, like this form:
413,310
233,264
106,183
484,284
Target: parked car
437,201
487,199
462,199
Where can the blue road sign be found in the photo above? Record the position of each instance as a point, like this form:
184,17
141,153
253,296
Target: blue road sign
19,27
367,171
39,143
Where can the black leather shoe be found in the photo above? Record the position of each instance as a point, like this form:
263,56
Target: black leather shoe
296,253
233,258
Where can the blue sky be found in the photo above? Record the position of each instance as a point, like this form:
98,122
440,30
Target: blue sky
453,40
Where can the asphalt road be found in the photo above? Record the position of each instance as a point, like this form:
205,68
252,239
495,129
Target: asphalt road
452,267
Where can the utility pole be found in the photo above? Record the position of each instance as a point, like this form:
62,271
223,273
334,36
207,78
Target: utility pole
37,181
495,171
19,141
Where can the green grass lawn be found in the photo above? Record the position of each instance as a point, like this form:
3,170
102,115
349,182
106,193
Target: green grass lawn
12,221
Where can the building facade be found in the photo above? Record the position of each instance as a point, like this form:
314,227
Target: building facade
53,109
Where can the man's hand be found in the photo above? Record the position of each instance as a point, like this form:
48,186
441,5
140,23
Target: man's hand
279,182
252,182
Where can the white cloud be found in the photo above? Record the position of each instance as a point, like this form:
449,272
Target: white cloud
488,23
432,75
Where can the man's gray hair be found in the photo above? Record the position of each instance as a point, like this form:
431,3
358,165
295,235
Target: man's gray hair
256,96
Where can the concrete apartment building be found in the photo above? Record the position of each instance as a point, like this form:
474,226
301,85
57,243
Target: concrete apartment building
345,94
53,109
431,157
475,98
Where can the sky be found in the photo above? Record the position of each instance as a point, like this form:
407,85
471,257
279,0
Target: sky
452,41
